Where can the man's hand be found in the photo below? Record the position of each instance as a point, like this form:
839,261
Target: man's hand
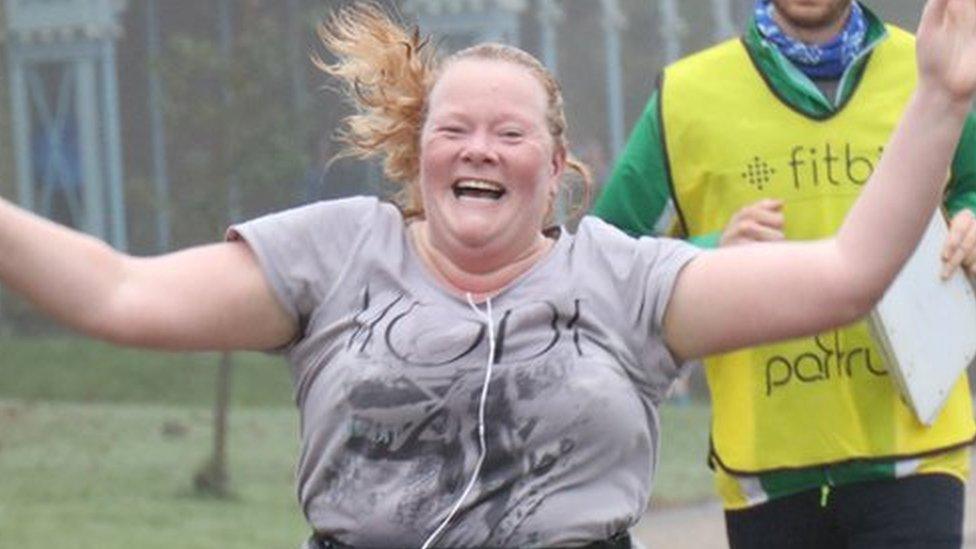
960,245
758,222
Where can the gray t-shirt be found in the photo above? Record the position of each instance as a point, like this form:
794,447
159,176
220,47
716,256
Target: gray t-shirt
389,368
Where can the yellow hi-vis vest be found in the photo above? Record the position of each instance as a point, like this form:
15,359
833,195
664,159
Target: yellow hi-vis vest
730,141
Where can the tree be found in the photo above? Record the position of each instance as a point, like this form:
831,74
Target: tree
242,147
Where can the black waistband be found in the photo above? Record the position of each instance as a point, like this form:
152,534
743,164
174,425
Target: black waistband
617,541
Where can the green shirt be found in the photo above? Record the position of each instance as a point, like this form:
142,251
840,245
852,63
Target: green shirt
638,200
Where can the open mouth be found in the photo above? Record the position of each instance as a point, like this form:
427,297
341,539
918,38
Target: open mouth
473,188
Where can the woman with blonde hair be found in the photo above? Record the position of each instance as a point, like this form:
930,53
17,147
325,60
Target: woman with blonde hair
467,374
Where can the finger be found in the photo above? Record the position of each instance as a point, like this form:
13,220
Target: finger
969,264
769,204
964,217
963,246
952,241
757,232
958,255
968,246
746,232
949,265
968,243
961,224
763,211
933,14
766,204
734,220
768,218
960,12
768,209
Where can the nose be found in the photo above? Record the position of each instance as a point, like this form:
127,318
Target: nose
478,149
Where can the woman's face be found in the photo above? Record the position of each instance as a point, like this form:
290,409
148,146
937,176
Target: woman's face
489,169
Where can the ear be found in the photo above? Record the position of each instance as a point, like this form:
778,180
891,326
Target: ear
557,167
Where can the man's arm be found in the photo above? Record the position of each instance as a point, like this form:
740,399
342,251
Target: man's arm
637,198
960,201
962,189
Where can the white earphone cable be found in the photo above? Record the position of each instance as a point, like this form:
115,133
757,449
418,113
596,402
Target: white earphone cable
481,422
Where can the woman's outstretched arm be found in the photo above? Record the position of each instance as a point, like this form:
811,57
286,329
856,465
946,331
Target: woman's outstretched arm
741,296
211,297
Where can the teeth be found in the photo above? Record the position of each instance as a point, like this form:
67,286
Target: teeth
475,184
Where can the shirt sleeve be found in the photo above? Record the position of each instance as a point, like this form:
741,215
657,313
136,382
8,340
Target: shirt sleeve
302,251
962,187
663,260
636,279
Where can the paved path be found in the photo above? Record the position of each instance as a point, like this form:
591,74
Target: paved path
701,526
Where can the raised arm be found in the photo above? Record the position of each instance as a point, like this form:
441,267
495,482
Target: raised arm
740,296
211,297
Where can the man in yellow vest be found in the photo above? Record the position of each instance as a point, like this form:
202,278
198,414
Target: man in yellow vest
771,137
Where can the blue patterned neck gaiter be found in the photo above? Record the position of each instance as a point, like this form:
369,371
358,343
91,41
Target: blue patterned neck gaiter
818,61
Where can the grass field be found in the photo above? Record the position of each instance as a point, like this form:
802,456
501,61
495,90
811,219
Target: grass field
99,446
120,475
78,370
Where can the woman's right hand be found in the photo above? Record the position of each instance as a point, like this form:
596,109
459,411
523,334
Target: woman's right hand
208,297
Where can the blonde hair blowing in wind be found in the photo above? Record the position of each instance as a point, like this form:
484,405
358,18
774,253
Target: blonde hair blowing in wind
387,73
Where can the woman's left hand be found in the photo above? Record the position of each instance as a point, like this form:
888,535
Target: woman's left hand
947,47
960,245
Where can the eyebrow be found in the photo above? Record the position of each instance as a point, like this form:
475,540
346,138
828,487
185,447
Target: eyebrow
505,115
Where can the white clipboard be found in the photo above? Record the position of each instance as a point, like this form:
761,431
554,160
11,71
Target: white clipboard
925,327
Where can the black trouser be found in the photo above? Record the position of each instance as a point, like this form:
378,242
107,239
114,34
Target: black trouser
920,511
618,541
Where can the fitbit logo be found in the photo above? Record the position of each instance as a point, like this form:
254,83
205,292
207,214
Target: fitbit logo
758,173
830,165
813,166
